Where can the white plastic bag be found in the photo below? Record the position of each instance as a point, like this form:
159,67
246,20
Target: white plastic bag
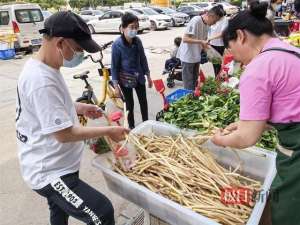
231,67
233,82
213,54
208,69
124,154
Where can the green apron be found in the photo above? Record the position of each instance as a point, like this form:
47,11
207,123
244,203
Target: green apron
285,189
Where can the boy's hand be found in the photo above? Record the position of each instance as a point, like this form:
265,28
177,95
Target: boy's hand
117,133
91,111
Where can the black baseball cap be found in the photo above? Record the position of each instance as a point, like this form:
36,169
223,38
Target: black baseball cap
69,25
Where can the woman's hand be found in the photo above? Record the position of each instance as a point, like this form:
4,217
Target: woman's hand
232,127
240,135
150,82
217,139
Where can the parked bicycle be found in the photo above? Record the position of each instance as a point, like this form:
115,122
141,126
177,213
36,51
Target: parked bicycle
108,91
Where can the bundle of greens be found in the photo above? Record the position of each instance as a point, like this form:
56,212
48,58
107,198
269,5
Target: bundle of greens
208,111
205,112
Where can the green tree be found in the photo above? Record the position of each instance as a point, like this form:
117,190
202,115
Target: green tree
45,4
85,3
94,3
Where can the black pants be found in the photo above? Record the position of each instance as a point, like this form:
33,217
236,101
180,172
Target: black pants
70,196
141,94
219,49
171,63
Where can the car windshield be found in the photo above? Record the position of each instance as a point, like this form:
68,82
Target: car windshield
29,15
225,4
195,7
46,13
98,13
134,12
168,11
150,12
202,5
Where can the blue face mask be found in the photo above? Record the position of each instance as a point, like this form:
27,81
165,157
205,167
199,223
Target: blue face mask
131,33
75,61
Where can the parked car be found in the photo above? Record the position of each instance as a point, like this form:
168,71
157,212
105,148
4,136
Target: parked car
157,21
46,14
205,5
202,5
191,10
178,18
111,22
88,15
229,9
25,20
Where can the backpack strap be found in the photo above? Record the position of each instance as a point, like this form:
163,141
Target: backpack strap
283,50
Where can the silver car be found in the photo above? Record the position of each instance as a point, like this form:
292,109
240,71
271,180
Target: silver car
178,18
111,22
88,15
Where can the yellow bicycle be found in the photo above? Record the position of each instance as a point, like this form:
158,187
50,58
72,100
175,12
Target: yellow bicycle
108,91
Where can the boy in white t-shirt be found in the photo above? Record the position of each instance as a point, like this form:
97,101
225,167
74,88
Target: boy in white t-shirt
50,139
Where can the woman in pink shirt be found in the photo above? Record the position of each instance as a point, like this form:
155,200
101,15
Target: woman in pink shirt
269,95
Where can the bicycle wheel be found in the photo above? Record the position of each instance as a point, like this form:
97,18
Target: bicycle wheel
111,94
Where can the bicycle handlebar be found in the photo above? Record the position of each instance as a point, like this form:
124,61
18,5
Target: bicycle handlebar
91,57
103,47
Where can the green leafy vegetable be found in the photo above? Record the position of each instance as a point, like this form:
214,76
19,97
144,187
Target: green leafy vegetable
211,110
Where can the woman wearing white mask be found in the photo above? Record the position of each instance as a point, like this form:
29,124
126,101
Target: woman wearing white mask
129,67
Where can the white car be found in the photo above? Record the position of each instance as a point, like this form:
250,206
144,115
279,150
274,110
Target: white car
203,5
206,5
88,15
111,22
158,21
178,18
46,14
229,9
25,20
190,10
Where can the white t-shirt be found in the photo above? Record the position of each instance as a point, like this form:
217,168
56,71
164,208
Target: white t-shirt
44,106
191,53
217,29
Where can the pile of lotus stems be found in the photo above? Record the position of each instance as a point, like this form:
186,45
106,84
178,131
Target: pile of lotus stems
180,169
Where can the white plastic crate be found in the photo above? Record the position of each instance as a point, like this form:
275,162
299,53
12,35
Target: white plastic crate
256,163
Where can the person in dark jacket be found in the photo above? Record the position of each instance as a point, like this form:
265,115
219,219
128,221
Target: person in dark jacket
129,67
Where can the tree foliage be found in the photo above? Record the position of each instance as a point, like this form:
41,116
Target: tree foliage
45,4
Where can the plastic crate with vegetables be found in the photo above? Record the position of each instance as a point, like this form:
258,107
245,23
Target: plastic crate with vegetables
181,178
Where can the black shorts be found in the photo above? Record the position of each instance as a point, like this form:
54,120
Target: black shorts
70,196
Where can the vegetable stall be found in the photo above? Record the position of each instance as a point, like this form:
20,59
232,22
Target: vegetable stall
179,176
